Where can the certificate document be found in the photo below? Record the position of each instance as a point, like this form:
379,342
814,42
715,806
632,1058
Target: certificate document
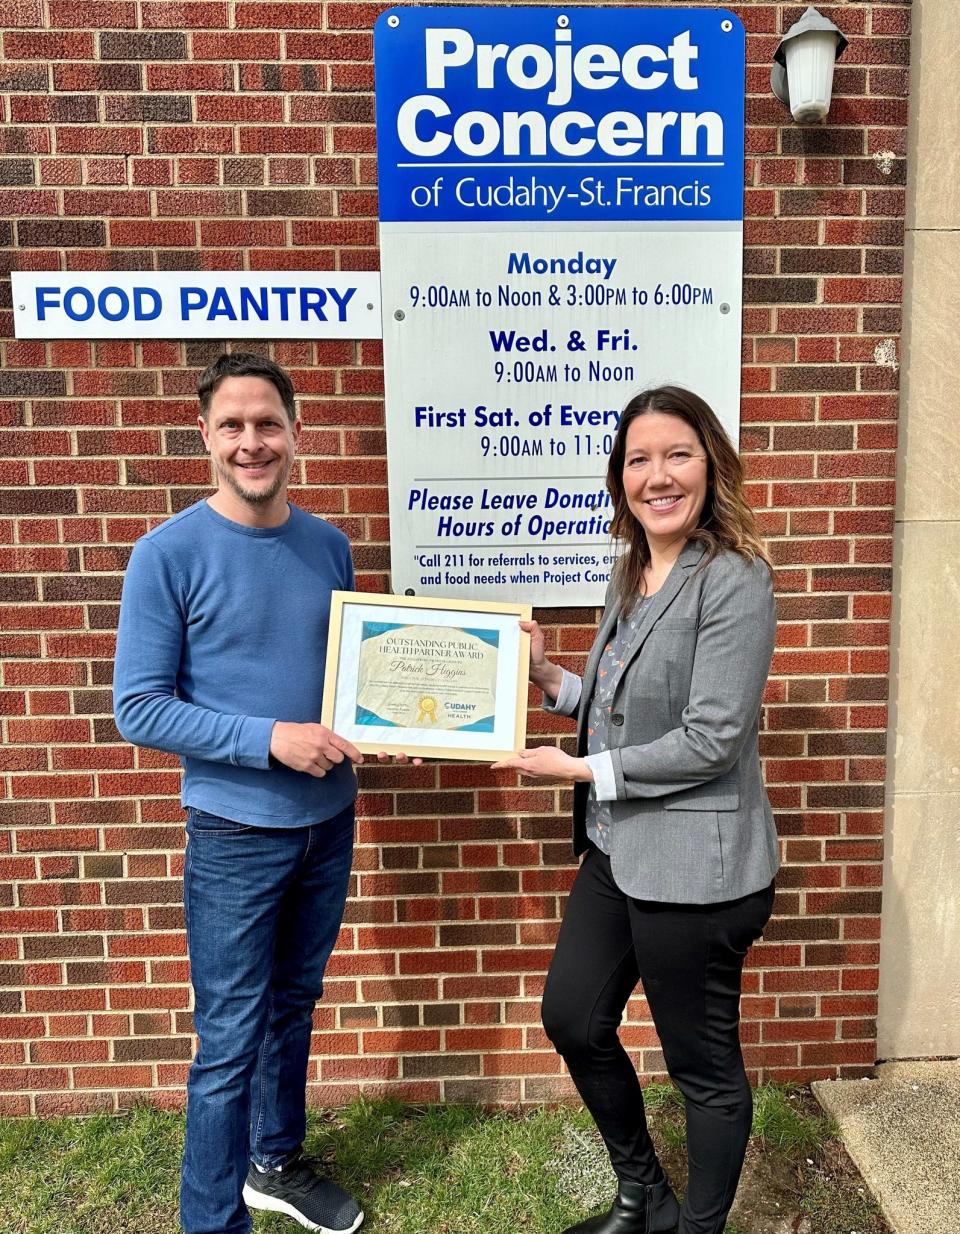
431,677
440,678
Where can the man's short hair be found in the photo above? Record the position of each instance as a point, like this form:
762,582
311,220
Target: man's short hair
245,364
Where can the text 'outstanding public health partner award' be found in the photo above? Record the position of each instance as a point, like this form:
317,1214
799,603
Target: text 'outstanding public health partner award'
429,678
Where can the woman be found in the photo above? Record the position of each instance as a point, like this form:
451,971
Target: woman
669,806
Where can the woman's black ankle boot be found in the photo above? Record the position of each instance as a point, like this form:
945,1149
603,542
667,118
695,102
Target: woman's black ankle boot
638,1209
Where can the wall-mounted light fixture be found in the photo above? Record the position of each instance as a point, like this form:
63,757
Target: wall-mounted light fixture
802,75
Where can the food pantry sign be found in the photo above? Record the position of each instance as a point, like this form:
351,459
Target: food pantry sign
561,206
176,305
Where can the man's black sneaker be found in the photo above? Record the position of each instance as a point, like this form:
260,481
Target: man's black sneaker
299,1192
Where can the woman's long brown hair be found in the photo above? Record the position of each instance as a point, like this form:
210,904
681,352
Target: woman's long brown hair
726,521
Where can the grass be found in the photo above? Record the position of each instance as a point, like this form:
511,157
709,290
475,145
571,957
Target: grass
856,1212
98,1175
782,1119
438,1169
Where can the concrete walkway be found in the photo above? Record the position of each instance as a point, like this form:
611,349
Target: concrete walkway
903,1131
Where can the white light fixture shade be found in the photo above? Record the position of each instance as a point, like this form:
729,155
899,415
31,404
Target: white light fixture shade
802,76
810,61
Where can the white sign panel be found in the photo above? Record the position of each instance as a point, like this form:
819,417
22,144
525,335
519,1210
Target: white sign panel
208,304
561,201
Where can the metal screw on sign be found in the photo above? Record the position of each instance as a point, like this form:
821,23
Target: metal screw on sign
724,308
399,314
726,26
393,20
409,592
563,21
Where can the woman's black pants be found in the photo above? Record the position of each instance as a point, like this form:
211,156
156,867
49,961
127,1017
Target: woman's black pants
689,958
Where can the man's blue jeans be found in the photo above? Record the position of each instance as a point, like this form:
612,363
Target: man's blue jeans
263,907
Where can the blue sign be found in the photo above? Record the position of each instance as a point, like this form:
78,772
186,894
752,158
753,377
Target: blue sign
598,115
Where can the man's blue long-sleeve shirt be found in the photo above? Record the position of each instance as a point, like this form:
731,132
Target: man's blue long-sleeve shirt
223,632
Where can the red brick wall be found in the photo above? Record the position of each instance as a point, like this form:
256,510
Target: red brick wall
152,135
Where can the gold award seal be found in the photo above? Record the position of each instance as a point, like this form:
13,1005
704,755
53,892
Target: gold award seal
428,710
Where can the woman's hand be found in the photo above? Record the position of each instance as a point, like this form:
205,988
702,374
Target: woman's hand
542,673
538,652
547,763
384,757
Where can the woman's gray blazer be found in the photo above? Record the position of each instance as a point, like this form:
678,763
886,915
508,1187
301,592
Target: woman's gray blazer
691,823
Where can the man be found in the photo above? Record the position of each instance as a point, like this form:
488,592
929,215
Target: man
220,659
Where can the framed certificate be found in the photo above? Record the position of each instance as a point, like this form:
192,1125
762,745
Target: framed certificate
432,678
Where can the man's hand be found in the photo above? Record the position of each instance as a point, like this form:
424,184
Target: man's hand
310,747
547,763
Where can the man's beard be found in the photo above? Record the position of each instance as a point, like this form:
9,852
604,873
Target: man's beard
256,497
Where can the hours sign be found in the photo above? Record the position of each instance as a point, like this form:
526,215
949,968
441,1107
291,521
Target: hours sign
561,215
